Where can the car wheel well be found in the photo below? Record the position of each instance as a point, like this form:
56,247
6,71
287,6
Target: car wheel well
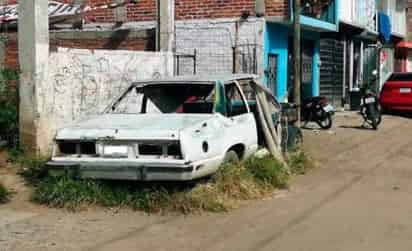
239,149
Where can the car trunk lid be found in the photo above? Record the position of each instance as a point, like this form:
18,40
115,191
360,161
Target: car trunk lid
398,91
131,127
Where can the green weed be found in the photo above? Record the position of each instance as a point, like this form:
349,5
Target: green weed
32,169
268,171
4,194
9,128
299,162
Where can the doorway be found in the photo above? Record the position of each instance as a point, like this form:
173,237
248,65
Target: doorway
307,69
272,73
308,48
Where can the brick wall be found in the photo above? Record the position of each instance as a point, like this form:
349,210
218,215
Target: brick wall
11,56
101,16
190,9
277,8
144,10
117,43
107,44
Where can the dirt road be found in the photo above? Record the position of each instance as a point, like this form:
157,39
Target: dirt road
360,198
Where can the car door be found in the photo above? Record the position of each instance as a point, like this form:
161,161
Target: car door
243,128
250,89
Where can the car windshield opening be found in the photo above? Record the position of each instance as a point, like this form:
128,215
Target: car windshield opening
167,98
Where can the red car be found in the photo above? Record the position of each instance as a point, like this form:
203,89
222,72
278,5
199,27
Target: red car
396,94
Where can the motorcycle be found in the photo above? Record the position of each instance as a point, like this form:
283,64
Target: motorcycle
317,109
370,110
369,107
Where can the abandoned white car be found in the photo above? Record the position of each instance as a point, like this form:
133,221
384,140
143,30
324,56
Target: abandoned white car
181,128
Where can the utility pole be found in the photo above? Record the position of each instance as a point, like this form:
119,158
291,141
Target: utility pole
33,43
165,31
297,56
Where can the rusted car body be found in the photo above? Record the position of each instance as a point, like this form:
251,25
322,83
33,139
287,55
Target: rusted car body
182,128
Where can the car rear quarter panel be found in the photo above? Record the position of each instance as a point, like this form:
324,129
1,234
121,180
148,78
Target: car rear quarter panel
219,133
392,98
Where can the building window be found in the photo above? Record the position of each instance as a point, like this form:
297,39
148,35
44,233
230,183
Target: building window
319,9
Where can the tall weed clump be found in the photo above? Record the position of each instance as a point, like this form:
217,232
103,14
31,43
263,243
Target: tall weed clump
4,194
9,126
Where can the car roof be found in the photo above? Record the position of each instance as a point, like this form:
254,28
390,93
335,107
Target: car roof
203,79
400,76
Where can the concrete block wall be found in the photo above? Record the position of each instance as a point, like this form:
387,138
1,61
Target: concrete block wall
214,40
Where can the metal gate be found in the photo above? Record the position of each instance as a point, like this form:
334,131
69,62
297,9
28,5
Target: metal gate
241,59
185,64
272,72
307,69
331,70
244,58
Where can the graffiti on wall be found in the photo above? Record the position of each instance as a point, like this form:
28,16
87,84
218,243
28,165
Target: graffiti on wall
83,83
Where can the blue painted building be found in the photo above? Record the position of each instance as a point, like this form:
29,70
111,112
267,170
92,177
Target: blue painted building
278,50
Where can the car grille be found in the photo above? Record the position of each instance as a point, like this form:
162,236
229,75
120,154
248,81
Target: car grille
150,149
77,148
160,149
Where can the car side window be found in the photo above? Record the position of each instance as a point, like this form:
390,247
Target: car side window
234,101
247,89
129,103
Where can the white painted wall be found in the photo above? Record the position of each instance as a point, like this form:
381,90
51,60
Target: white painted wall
346,9
409,62
396,10
359,13
81,83
387,65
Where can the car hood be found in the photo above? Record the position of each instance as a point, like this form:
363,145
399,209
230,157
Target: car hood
131,126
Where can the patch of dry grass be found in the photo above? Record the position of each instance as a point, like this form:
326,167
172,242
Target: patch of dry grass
253,179
299,162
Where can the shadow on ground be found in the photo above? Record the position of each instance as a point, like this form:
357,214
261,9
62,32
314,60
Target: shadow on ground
361,127
406,115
